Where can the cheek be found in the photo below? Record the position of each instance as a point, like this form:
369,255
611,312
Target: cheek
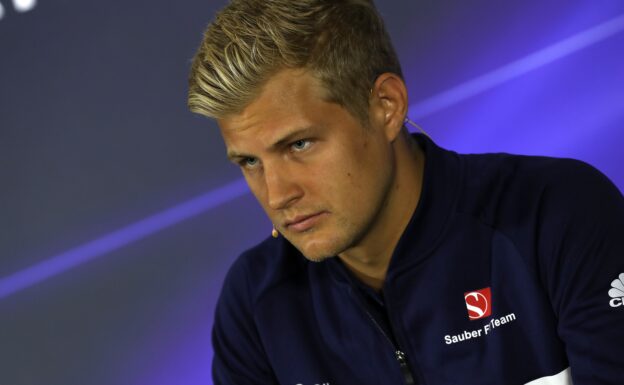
366,184
346,190
333,178
348,170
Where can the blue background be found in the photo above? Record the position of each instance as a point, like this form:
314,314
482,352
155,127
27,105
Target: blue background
119,214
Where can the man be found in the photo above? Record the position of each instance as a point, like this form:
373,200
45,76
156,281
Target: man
395,261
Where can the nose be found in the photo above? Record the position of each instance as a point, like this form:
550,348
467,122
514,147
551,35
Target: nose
281,186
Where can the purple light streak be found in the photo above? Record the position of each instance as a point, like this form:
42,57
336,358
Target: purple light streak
112,241
517,68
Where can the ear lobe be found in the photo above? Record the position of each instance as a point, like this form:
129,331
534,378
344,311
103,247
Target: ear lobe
391,93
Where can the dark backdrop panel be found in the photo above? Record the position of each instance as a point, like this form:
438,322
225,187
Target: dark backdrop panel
115,233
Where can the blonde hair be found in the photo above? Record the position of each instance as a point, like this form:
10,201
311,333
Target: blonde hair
342,42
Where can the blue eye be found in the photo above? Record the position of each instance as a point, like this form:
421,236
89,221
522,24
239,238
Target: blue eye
250,162
301,144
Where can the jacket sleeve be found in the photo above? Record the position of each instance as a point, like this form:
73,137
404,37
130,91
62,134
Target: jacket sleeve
582,249
239,357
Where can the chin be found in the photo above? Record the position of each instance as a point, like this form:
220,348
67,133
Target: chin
317,259
316,251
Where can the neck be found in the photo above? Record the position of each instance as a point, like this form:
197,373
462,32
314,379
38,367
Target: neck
369,260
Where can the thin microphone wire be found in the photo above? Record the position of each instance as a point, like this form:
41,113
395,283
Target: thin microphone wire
417,126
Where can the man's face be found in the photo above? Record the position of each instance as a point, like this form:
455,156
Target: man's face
321,177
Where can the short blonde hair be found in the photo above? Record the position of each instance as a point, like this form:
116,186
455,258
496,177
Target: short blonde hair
342,42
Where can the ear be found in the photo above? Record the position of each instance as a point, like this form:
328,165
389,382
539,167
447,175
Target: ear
388,104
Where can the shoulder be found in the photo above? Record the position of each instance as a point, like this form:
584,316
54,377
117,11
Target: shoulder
240,355
261,268
501,184
528,171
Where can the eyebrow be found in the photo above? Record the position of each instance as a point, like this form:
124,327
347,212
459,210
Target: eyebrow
286,139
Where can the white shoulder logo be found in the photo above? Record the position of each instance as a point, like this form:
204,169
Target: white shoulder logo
617,291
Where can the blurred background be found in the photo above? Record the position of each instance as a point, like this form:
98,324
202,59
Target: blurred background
119,214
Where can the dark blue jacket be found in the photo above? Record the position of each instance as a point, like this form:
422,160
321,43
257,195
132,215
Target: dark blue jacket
508,273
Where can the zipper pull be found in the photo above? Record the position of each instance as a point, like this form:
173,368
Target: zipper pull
407,374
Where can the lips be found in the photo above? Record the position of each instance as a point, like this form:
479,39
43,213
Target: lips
303,223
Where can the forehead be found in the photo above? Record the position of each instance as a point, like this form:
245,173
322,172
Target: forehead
287,91
291,98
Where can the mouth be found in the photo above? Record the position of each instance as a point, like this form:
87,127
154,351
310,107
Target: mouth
303,223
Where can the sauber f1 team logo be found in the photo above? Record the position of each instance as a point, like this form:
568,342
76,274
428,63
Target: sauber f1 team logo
617,291
479,303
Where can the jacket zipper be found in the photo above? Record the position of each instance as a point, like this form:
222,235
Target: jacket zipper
398,353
